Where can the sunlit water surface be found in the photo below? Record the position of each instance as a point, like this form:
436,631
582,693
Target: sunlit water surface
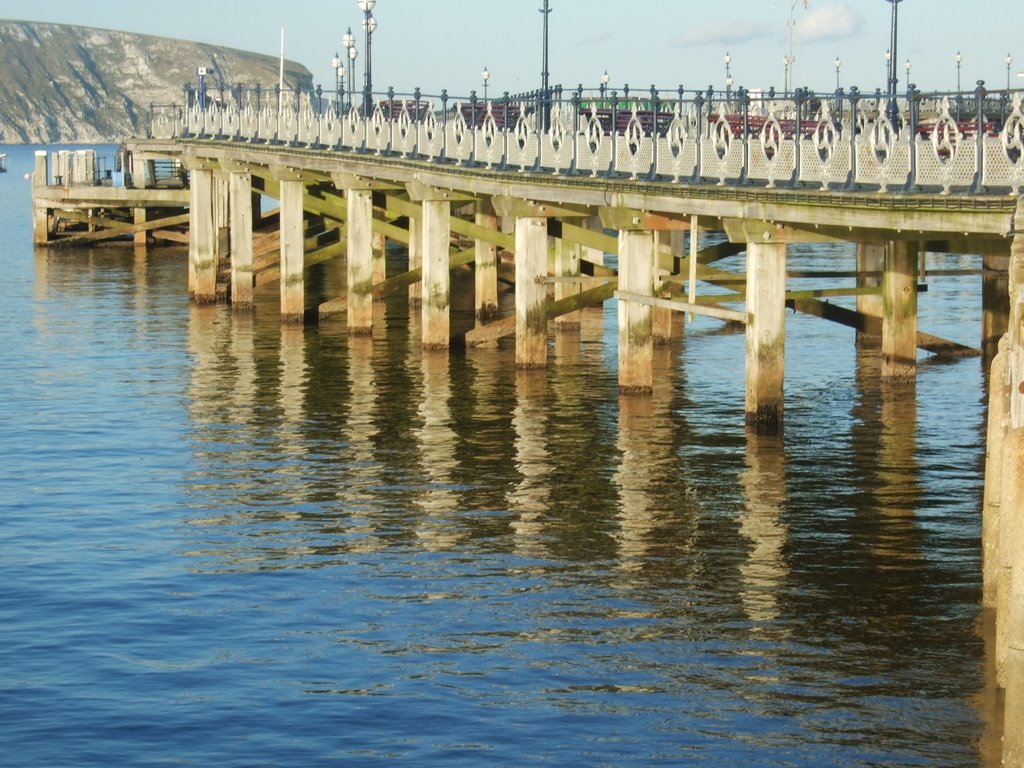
227,542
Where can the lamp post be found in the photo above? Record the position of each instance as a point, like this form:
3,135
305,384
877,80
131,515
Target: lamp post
1009,63
485,76
369,25
907,66
352,53
728,77
544,92
339,75
786,61
891,110
348,42
958,58
837,64
604,83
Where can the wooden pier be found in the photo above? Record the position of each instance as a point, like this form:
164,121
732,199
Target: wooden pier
570,239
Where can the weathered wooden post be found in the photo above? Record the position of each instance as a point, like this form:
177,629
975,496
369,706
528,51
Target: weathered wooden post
486,262
531,292
40,214
415,259
378,244
436,306
766,335
240,203
636,276
870,264
202,238
899,311
567,270
360,261
995,301
293,293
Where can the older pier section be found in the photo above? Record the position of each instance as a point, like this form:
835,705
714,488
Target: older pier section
622,198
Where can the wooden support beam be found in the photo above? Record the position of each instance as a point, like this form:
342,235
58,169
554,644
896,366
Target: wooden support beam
766,335
899,311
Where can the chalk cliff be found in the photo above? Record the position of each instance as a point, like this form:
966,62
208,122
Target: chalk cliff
65,84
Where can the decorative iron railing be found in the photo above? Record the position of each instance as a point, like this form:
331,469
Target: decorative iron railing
965,143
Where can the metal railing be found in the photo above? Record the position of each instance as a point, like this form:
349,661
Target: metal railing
967,143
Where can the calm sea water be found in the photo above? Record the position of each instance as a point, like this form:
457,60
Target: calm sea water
224,542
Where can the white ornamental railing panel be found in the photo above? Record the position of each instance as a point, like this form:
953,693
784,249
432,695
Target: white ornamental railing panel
945,157
772,157
883,156
490,141
459,136
827,157
431,134
594,148
404,132
556,146
1004,155
523,146
721,153
676,151
378,137
634,148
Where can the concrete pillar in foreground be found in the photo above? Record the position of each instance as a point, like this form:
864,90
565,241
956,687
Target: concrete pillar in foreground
766,335
486,261
1010,612
998,413
899,311
436,306
293,292
40,180
636,275
531,292
360,261
415,259
567,266
202,238
870,258
241,239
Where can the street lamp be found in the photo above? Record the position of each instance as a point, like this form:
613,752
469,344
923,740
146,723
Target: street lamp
349,43
907,65
604,82
958,58
786,61
1009,63
369,25
352,53
545,94
837,64
728,77
339,76
485,76
891,110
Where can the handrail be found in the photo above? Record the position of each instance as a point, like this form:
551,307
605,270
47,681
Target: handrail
968,143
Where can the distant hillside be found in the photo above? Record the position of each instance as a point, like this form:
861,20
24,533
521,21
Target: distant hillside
66,84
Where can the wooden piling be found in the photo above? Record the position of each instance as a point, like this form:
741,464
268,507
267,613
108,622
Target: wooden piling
636,275
202,237
567,268
40,214
293,293
995,301
486,275
766,335
415,260
360,261
531,292
436,306
240,205
870,261
899,311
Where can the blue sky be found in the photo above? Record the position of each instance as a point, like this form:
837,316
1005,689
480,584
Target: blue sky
438,44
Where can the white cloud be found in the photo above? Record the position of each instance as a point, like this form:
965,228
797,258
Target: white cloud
829,22
721,32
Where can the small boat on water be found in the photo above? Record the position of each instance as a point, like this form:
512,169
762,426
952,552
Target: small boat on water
3,163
